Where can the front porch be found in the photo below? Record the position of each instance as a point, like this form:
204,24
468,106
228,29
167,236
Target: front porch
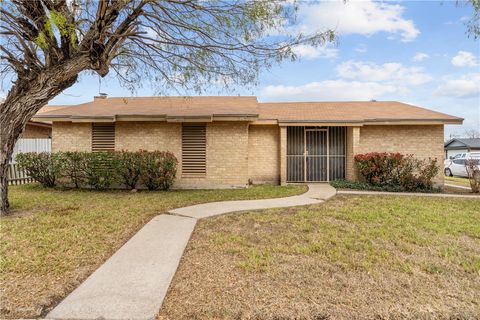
317,153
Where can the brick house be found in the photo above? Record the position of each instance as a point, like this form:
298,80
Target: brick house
231,141
37,130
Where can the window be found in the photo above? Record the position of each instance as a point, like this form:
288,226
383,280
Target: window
459,161
194,150
103,137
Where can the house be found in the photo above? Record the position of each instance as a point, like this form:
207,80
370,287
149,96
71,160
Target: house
461,145
231,141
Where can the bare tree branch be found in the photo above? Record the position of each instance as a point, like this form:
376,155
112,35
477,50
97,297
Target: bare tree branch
177,44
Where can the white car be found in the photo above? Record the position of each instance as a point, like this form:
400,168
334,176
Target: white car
457,166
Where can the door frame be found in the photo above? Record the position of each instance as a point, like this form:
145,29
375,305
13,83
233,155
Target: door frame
305,153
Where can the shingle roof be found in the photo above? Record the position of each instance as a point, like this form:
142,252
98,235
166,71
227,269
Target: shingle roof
203,106
468,142
159,106
349,111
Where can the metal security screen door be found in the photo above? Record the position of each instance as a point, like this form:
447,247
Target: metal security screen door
316,151
315,154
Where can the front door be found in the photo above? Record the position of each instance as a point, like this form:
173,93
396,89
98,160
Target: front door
316,155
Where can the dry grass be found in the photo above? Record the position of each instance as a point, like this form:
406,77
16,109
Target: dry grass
55,238
462,191
353,257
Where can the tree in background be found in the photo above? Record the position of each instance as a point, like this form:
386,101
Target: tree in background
473,25
472,134
46,44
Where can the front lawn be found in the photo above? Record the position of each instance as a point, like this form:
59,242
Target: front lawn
353,257
458,181
55,238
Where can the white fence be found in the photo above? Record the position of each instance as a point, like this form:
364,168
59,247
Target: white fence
31,145
16,175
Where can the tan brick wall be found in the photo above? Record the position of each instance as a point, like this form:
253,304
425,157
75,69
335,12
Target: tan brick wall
227,155
227,149
150,136
32,132
423,141
353,143
67,136
264,154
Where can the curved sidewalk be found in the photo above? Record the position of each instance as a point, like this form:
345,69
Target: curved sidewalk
134,281
316,194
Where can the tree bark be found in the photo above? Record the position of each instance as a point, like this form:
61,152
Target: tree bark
23,101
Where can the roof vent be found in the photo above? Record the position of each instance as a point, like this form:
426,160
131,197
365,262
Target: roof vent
100,96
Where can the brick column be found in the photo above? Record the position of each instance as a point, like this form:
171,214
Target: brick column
283,155
353,147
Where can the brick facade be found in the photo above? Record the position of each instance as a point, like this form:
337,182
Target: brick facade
68,136
423,141
149,136
264,154
36,132
237,151
353,144
227,147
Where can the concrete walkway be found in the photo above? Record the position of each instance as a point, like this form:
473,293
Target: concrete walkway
316,194
134,281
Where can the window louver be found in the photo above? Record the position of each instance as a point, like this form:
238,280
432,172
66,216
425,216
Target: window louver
194,150
103,137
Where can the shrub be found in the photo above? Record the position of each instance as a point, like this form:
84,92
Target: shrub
379,168
158,170
73,166
129,167
99,170
359,185
43,167
473,172
394,170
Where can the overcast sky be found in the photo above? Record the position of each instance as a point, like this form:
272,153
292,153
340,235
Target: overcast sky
415,52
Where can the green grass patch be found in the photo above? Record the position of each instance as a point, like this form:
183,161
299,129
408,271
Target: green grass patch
458,181
55,238
352,257
361,232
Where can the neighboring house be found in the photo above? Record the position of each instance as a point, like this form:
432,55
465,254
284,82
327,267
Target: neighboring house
35,138
231,141
461,145
37,130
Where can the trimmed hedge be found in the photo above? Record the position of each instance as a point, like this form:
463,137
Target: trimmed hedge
397,171
43,167
102,170
359,185
158,170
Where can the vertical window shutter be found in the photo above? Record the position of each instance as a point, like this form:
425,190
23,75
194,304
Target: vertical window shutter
103,137
194,150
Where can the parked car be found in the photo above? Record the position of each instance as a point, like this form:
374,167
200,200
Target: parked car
457,165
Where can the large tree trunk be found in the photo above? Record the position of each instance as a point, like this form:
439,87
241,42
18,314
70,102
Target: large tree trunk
23,101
